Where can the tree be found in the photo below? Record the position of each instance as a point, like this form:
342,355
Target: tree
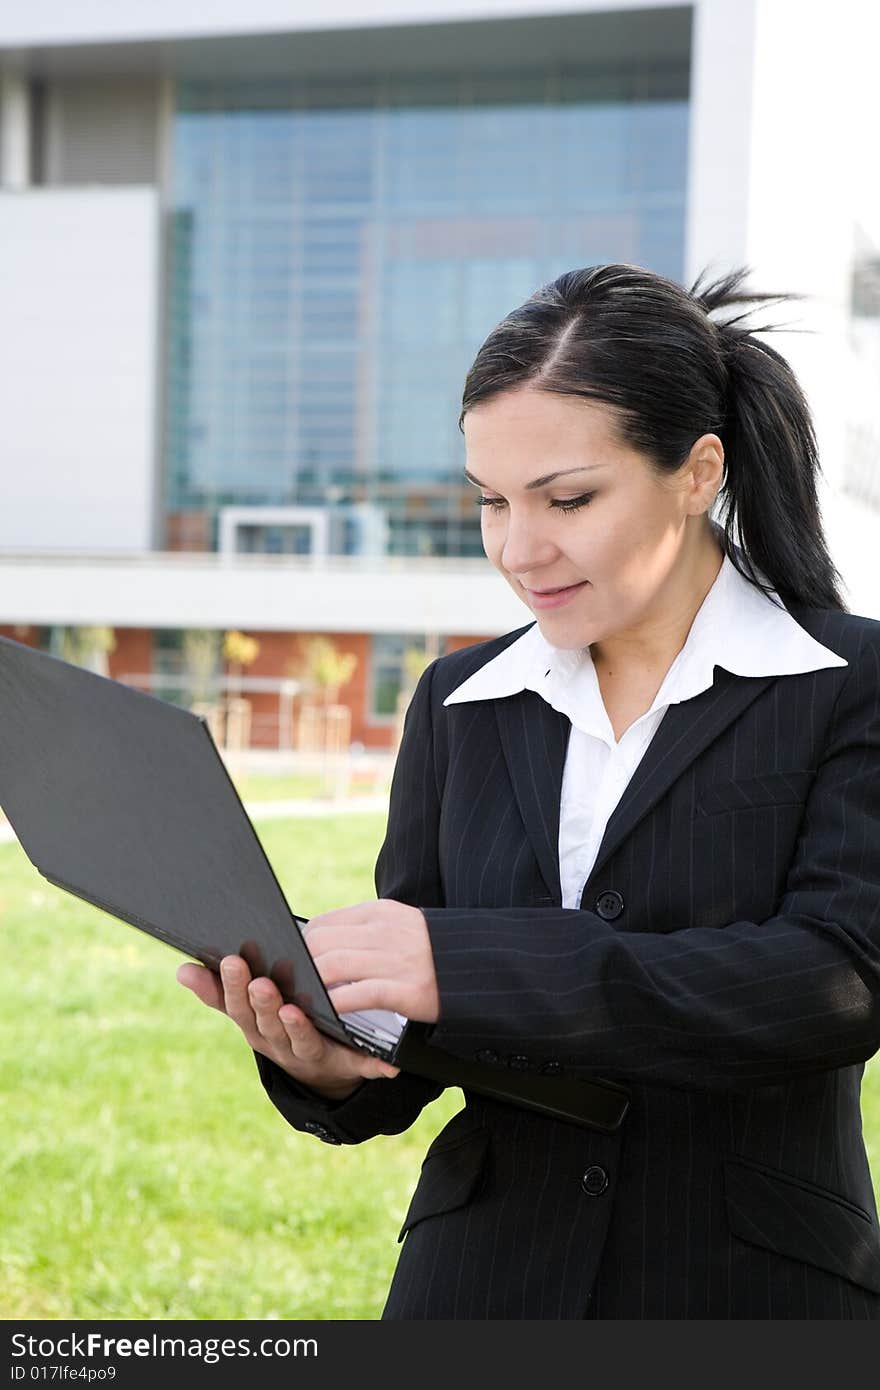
240,651
88,647
325,668
201,652
415,659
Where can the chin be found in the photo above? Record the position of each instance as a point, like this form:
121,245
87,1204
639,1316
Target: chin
558,635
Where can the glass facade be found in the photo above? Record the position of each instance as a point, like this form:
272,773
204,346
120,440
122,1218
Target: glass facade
339,250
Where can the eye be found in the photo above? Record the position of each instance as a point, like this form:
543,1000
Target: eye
573,504
568,504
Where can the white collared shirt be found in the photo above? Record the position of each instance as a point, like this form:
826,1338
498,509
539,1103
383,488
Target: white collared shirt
736,627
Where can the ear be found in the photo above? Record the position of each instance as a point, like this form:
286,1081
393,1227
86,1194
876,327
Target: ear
705,463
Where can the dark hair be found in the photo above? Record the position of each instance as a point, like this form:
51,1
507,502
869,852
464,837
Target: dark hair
647,347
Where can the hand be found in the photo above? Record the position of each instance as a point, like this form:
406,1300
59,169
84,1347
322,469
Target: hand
281,1032
376,955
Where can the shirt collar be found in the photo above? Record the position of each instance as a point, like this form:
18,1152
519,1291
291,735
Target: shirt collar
737,627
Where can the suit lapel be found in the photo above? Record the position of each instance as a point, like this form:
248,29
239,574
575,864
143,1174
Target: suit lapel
685,730
534,738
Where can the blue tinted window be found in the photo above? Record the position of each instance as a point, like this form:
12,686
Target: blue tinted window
339,250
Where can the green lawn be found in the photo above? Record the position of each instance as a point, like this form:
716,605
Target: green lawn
304,786
145,1174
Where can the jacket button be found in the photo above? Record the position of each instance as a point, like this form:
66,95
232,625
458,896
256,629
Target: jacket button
595,1180
487,1055
320,1132
609,905
551,1069
518,1063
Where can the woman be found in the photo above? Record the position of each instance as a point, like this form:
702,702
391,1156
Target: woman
635,841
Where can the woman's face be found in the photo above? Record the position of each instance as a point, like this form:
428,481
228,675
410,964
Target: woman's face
567,506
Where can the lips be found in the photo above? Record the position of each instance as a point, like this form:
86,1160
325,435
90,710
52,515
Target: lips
559,589
553,598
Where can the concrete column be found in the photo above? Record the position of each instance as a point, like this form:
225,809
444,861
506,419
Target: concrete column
15,132
720,147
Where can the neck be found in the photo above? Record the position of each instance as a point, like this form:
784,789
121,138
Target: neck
654,645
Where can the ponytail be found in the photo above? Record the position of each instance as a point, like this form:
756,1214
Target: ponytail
771,462
649,349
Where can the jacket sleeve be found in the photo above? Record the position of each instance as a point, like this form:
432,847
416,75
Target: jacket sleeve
407,870
748,1004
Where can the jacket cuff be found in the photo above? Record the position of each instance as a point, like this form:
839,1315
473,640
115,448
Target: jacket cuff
384,1106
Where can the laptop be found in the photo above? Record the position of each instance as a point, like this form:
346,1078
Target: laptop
124,800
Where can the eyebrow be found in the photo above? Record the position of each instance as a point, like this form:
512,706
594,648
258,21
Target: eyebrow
547,478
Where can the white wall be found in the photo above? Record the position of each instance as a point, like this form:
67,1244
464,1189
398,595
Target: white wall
78,308
253,593
719,148
770,182
95,21
783,100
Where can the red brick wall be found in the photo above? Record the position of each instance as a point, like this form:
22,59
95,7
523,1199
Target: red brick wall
188,531
20,632
134,652
278,656
455,644
281,654
273,659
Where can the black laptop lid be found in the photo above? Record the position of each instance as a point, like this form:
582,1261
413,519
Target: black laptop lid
123,799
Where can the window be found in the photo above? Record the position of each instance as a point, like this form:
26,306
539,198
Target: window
396,661
340,246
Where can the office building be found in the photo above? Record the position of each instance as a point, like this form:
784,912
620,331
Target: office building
250,251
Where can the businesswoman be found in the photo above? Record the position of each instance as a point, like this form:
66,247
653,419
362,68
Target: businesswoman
634,843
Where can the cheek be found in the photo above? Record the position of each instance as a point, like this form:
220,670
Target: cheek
493,535
620,544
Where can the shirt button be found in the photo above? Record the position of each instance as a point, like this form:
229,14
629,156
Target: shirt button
595,1180
609,904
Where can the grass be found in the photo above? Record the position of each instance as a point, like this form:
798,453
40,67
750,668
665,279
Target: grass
302,786
144,1173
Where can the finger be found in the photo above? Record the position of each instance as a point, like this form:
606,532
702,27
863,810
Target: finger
305,1041
265,1001
203,983
374,1070
368,994
332,937
310,1046
347,965
236,977
340,917
335,914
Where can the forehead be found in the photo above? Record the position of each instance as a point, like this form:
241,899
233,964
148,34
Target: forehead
529,413
520,435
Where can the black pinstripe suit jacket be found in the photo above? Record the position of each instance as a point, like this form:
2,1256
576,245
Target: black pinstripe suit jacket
732,984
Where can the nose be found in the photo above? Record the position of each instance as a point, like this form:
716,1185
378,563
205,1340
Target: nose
525,547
